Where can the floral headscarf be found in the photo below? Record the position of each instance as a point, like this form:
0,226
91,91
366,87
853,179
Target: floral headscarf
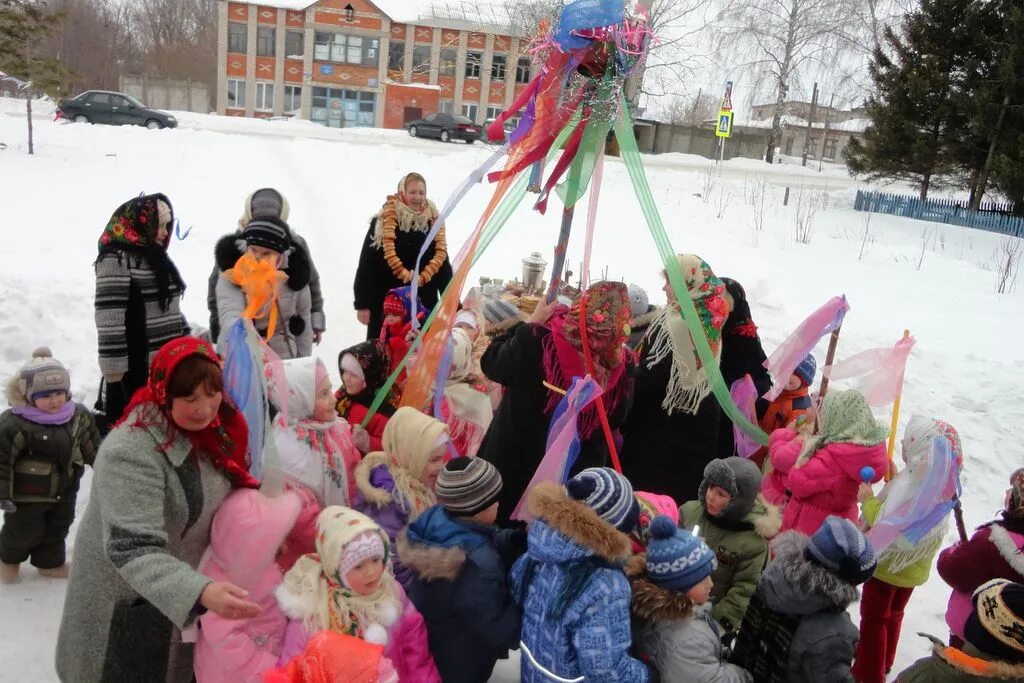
375,362
668,335
845,418
225,441
133,227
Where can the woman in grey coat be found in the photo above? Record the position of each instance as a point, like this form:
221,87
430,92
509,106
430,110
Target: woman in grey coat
159,478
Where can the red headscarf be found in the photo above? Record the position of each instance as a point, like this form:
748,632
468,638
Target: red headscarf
225,441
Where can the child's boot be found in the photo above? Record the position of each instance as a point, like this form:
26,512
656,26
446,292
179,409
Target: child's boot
61,572
9,572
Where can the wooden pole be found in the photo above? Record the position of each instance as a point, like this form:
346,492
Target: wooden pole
28,111
824,135
958,516
810,122
830,356
895,421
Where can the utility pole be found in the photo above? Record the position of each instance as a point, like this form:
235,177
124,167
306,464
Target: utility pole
824,136
810,120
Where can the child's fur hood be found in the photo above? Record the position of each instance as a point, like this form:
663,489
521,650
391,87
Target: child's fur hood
806,578
378,497
966,662
430,563
297,264
649,601
571,518
767,518
15,398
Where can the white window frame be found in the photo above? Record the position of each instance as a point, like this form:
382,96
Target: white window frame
264,97
293,97
474,63
446,106
238,86
470,111
499,67
493,112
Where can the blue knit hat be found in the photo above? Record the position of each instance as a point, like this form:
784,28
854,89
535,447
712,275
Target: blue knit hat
806,370
676,559
607,493
840,547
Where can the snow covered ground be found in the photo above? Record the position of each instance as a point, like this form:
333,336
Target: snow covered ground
938,281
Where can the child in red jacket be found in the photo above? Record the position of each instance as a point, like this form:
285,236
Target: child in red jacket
364,369
397,332
793,403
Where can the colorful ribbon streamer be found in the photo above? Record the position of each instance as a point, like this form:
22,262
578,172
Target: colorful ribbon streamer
880,371
801,342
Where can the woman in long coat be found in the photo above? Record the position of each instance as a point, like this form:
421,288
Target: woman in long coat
672,429
388,257
160,476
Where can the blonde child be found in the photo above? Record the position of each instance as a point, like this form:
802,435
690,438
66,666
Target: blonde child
347,587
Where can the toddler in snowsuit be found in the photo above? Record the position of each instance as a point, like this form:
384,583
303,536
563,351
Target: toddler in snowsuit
796,629
46,440
245,538
822,473
737,523
396,333
673,626
994,651
993,552
570,584
347,587
459,560
364,369
788,407
396,485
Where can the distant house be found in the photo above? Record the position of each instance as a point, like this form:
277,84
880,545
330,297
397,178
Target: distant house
843,126
345,63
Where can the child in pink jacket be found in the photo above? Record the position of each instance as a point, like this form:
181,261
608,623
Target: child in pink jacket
248,530
347,586
823,472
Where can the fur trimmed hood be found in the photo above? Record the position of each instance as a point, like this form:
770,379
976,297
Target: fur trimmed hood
792,584
649,601
297,267
972,664
430,562
578,523
766,518
643,321
12,392
377,496
1007,547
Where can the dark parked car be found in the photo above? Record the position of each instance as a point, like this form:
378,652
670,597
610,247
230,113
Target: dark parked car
101,106
445,127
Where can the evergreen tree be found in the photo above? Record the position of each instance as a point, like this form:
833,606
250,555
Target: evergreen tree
1006,154
23,23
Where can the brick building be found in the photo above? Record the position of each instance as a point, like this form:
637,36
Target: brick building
345,63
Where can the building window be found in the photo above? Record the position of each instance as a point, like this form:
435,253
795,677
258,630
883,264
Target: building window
265,40
523,70
473,62
292,99
264,97
236,94
338,108
446,64
830,148
294,44
396,57
337,47
493,113
447,106
498,68
421,59
238,35
469,111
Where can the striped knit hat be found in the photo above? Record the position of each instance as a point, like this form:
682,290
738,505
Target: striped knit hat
467,486
840,547
607,493
268,232
806,370
499,310
44,374
676,559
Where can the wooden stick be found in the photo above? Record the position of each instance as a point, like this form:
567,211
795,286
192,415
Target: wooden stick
895,421
958,515
830,356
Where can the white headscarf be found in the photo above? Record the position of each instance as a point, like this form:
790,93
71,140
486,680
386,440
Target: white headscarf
471,412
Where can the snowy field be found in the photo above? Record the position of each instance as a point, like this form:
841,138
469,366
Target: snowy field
938,281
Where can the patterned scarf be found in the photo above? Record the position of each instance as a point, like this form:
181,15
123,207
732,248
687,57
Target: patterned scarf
845,418
607,322
407,219
224,442
373,358
133,227
468,403
669,336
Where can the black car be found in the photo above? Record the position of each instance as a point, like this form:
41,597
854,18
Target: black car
115,108
445,127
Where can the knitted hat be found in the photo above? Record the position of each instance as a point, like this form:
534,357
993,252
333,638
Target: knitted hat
393,305
43,374
996,625
1015,507
638,302
499,310
840,547
467,486
365,546
740,477
676,559
268,232
806,370
267,202
607,493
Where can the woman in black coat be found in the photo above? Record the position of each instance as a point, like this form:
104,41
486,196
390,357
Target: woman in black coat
548,348
672,429
742,354
388,257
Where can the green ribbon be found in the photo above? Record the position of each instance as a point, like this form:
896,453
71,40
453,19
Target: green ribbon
631,157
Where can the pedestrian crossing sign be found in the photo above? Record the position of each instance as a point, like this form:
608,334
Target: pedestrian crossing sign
724,128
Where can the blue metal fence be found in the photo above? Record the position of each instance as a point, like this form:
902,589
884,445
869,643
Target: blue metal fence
940,211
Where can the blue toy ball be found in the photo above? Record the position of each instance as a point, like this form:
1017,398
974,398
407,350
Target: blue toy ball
867,473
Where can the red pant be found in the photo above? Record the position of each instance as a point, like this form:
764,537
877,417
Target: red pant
881,616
